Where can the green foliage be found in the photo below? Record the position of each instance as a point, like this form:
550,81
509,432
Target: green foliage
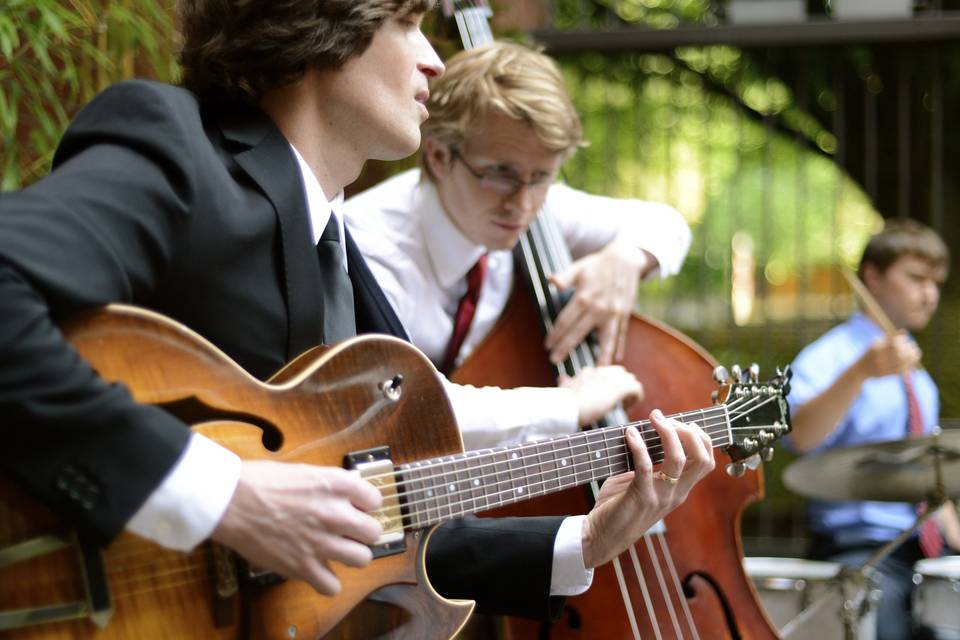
57,54
662,131
658,14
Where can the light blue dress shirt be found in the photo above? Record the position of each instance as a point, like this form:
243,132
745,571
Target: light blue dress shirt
878,413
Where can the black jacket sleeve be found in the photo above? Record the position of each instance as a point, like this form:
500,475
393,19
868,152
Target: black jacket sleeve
505,564
99,229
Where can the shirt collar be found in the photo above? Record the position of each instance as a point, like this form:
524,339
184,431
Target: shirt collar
319,206
451,253
865,326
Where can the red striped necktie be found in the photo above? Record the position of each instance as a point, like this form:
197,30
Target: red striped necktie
466,309
931,541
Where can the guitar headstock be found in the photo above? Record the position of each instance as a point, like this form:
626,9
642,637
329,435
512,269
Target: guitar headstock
758,410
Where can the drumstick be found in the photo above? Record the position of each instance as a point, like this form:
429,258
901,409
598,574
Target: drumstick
870,304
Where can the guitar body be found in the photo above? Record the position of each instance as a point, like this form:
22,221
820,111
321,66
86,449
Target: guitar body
326,404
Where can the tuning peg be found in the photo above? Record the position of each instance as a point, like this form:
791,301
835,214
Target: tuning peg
736,469
736,373
720,374
766,453
754,372
753,462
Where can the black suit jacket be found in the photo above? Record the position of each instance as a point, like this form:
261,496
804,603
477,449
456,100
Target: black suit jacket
196,211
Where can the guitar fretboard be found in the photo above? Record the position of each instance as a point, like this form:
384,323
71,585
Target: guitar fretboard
439,489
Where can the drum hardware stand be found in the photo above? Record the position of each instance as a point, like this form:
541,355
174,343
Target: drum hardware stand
856,582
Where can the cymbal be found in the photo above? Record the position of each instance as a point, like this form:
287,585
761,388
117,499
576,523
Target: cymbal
890,471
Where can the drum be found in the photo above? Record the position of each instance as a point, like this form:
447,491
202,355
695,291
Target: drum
936,597
789,587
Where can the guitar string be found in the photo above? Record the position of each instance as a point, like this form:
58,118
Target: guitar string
440,469
716,425
572,471
709,418
152,553
524,452
517,464
443,476
569,471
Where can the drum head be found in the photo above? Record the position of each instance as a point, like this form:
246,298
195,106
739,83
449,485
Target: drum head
760,567
948,567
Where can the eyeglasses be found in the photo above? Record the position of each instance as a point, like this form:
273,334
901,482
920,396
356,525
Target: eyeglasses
502,180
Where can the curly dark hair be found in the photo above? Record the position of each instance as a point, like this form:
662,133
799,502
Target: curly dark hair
242,48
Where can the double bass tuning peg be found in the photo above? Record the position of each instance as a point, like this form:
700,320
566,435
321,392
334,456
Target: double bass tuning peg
754,372
720,374
736,373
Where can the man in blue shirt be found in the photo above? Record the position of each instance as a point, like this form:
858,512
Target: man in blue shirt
849,388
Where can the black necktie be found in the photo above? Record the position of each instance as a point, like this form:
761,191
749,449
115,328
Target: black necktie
336,290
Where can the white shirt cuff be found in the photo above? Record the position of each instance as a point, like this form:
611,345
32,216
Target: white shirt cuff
492,417
186,507
569,577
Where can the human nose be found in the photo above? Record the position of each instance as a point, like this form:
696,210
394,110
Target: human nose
524,198
429,62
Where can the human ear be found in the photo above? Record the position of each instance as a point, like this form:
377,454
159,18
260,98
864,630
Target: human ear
436,155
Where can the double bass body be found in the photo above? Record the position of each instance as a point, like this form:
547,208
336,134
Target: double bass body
685,582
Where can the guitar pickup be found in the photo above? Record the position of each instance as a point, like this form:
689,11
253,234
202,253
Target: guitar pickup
376,467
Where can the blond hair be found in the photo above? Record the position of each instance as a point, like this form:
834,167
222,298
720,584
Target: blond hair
505,78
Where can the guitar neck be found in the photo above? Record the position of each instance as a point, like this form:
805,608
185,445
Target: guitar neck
439,489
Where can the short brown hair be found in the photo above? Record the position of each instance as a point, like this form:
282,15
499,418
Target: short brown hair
507,78
242,48
904,237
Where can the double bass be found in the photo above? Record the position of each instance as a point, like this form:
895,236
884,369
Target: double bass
684,578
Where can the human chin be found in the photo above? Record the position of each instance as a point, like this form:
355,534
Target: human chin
503,239
402,147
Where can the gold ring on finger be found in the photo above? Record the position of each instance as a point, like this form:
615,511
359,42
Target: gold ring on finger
670,480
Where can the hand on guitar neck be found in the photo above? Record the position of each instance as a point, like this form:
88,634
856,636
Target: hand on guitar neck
293,519
630,503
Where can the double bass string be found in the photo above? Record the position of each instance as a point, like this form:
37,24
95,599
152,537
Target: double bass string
548,243
675,589
545,295
584,356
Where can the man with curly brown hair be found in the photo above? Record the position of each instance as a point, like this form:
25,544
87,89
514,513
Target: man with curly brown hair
206,203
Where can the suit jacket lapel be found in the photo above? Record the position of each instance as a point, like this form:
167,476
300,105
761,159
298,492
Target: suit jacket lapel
264,153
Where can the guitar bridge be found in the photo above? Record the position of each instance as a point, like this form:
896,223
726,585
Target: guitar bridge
376,467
